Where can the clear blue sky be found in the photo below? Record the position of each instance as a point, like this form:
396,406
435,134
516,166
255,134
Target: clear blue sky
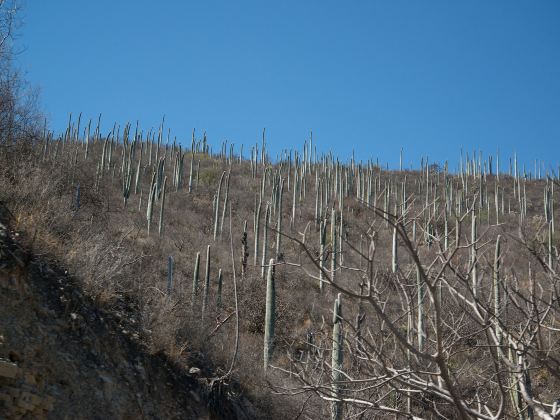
429,76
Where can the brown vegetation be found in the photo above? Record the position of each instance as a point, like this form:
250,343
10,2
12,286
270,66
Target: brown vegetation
464,359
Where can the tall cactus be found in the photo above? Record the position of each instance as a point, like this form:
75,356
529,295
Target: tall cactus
445,232
178,170
496,287
170,264
127,171
265,238
225,205
244,250
270,314
160,173
341,240
77,196
550,233
394,256
334,246
160,229
87,141
322,250
279,222
151,199
195,279
217,207
137,176
257,232
219,294
474,256
337,359
191,172
206,283
420,296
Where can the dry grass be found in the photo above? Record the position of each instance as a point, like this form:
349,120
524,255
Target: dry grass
107,247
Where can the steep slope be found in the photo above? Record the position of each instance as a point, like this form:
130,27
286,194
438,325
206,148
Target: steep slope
61,357
446,283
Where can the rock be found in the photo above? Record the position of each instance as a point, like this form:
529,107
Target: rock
14,392
6,398
27,401
15,356
194,371
8,369
30,379
108,385
48,403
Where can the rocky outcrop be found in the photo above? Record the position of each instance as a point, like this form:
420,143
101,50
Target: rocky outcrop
61,357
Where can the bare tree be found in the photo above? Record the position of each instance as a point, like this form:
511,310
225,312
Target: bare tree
19,114
459,330
8,9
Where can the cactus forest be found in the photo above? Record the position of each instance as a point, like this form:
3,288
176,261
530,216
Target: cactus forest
317,286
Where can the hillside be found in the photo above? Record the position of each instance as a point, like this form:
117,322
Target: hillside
295,287
63,357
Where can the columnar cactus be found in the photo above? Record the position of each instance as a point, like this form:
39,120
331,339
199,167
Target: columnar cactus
552,207
219,294
137,177
394,257
191,171
214,204
550,233
127,172
225,204
270,314
341,240
337,359
178,170
103,153
496,287
160,229
151,199
87,141
333,244
265,238
294,199
77,198
160,136
279,222
474,256
445,232
160,173
195,279
257,230
244,250
263,184
170,264
206,283
217,207
322,250
420,296
317,202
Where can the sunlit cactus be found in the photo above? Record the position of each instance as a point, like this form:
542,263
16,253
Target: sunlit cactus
270,314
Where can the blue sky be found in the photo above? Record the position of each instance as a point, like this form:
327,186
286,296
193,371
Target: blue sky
374,76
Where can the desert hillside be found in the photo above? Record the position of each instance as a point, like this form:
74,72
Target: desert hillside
157,278
64,357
